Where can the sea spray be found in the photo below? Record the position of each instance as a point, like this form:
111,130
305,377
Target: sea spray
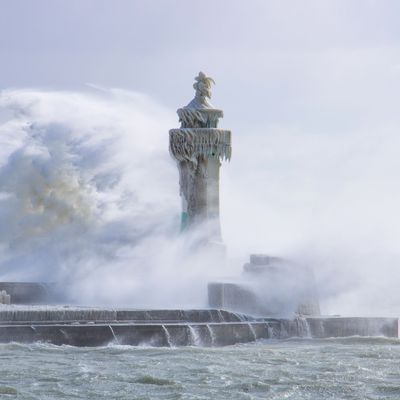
195,338
270,331
87,193
252,331
167,335
211,335
116,341
303,328
220,316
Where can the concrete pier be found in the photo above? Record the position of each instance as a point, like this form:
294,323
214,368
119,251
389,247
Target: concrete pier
353,326
80,326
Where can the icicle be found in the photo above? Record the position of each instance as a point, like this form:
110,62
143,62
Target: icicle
188,144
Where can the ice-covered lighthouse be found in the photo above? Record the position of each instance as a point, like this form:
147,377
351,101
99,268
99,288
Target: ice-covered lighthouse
199,146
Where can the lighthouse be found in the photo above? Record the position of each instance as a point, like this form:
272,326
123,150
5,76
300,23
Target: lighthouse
199,147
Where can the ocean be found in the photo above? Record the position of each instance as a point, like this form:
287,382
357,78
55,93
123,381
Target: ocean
350,368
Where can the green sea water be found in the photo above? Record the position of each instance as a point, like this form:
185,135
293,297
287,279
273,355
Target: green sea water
353,368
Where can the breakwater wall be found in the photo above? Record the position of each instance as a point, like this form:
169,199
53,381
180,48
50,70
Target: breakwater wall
80,326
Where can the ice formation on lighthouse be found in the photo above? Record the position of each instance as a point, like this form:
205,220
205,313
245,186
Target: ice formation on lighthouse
199,146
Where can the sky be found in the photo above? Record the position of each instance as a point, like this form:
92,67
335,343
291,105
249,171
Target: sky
310,90
326,66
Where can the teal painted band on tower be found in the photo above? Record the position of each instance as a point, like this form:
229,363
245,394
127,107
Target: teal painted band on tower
184,221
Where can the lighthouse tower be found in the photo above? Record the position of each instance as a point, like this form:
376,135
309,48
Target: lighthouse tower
199,146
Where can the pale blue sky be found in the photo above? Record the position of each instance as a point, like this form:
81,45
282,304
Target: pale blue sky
323,66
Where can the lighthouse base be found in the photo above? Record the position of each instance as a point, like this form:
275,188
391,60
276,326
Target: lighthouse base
269,286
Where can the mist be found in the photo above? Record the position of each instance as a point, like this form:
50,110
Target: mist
89,198
327,201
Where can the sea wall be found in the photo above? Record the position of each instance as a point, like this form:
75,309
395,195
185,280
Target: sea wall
137,335
79,326
353,326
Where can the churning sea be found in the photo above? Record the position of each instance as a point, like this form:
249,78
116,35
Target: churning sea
352,368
